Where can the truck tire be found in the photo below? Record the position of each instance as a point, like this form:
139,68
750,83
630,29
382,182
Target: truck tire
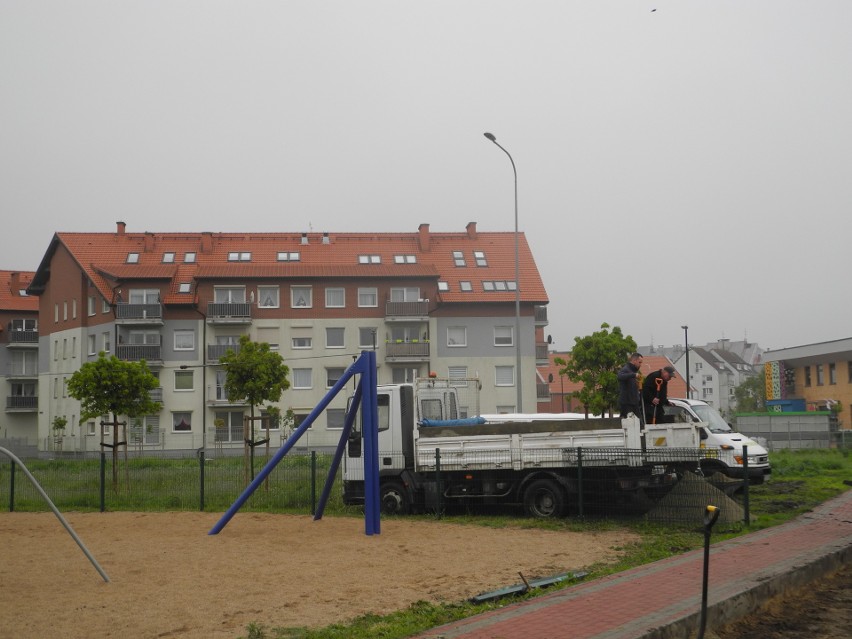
544,499
394,498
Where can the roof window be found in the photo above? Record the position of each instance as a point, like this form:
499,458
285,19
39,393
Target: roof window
479,256
289,256
168,257
133,258
443,286
369,259
405,259
458,258
184,287
237,256
189,258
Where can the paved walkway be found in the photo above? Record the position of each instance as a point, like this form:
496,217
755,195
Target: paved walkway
662,600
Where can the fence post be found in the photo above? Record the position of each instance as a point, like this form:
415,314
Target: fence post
746,509
202,463
439,483
313,482
103,481
12,488
579,481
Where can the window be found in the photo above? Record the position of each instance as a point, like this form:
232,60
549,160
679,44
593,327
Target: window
184,339
229,426
335,298
443,286
229,294
189,257
366,337
465,286
707,392
133,258
56,312
302,342
181,422
503,335
184,380
144,296
55,388
74,346
504,375
369,259
301,297
147,338
334,337
479,257
289,256
332,375
65,348
698,366
807,370
832,373
92,300
267,297
107,341
302,378
104,306
185,287
56,350
239,256
506,409
457,375
409,294
168,257
368,297
405,259
93,347
268,335
820,374
458,258
65,311
456,336
334,418
65,387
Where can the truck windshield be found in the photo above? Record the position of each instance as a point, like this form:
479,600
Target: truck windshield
711,416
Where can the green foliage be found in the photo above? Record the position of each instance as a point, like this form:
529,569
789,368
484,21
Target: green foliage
595,360
59,423
254,373
110,385
751,395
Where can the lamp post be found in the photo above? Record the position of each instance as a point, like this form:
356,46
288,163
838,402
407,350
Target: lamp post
686,346
518,376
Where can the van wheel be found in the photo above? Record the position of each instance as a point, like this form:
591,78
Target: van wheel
394,499
710,467
544,499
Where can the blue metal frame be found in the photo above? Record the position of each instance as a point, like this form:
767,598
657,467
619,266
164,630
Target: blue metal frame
365,398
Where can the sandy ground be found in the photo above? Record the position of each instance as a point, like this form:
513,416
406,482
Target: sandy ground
169,578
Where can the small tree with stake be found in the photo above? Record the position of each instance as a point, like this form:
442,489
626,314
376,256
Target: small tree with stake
109,385
256,374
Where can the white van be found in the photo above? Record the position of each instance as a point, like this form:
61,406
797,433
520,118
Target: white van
717,434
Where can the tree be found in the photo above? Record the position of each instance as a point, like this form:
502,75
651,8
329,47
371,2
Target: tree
595,360
256,374
751,395
109,385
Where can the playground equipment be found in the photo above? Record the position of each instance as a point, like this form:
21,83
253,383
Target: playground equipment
364,398
55,510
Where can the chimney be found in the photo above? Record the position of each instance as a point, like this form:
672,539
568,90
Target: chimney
304,238
149,241
206,242
326,239
471,230
14,283
424,237
120,227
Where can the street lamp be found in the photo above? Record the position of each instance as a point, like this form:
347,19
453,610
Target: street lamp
686,346
518,375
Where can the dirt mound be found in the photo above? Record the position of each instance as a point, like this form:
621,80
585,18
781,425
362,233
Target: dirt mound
688,500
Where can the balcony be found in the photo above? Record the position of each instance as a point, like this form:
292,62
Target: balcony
215,351
541,316
22,338
541,356
23,370
156,394
217,396
228,313
542,390
407,311
23,404
415,351
136,352
126,313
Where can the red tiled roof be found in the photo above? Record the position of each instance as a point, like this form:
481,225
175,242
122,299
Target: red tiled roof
10,291
103,257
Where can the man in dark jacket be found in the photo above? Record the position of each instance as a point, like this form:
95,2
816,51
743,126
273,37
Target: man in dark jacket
628,387
655,394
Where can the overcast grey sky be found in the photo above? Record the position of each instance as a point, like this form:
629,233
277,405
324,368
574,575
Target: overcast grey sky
684,165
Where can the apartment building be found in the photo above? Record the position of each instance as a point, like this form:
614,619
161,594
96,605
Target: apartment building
425,301
19,340
714,375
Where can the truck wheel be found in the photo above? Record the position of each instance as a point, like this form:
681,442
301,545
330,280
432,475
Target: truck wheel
544,499
394,499
710,467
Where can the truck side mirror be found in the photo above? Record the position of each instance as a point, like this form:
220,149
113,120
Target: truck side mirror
353,446
702,434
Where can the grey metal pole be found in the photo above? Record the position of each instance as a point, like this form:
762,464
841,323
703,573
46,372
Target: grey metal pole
518,375
686,346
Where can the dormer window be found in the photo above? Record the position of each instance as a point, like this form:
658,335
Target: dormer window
133,258
168,258
184,287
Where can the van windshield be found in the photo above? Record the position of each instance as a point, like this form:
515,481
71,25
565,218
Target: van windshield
711,416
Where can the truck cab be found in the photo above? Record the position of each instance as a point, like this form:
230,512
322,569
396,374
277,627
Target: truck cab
717,434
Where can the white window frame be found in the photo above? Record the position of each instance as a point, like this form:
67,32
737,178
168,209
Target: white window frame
368,331
189,257
296,343
333,330
457,375
331,293
364,294
184,332
501,338
184,375
454,340
328,378
229,294
335,418
303,294
182,413
272,294
91,305
501,374
93,344
299,381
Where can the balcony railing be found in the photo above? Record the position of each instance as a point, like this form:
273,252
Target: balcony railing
233,312
407,350
143,313
19,402
541,315
156,394
407,309
541,352
136,352
215,351
23,337
542,390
